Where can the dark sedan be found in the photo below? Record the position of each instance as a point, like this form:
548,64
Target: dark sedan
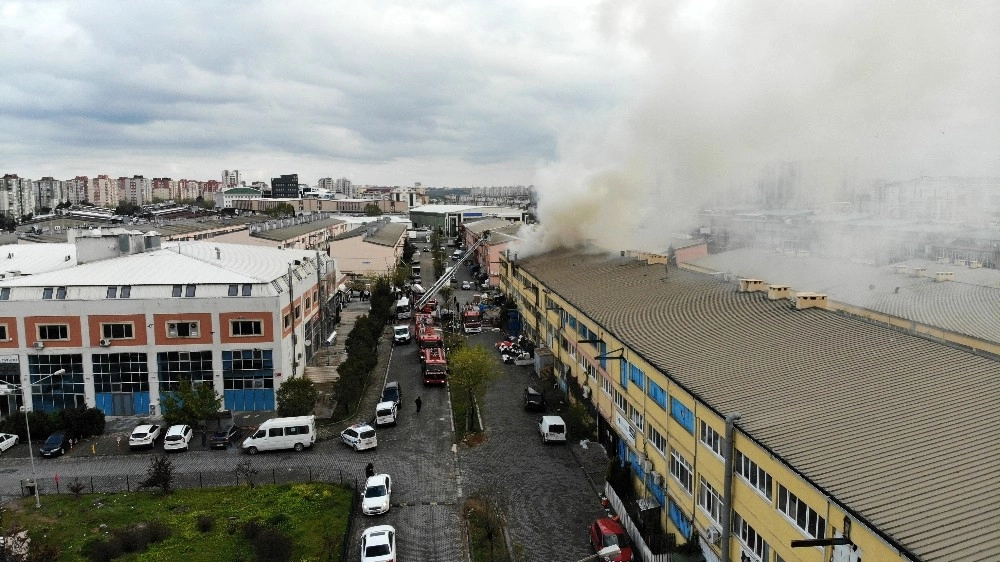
56,444
226,436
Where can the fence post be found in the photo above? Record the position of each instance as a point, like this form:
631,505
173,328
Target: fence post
274,478
128,488
199,480
91,484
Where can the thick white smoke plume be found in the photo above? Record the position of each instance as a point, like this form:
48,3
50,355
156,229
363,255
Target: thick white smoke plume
843,93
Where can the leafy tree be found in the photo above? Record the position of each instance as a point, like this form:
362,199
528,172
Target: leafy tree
126,208
408,250
281,210
296,397
373,210
471,370
191,403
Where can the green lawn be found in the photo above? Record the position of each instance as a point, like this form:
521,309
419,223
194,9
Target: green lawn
314,516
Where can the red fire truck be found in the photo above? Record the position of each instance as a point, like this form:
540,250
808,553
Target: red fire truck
472,322
427,334
433,365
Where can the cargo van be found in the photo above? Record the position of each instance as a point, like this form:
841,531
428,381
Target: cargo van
282,433
552,428
386,412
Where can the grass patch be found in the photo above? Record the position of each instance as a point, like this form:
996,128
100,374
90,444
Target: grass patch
486,540
312,516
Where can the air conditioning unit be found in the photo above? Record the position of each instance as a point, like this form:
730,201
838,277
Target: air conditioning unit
193,329
713,535
39,345
105,342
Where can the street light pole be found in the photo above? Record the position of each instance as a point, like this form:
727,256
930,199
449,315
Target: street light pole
27,427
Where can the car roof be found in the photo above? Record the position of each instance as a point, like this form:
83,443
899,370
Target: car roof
392,384
609,525
553,419
362,425
176,428
377,480
145,428
531,390
386,404
379,530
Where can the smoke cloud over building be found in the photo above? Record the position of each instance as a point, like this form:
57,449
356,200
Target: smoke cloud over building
844,92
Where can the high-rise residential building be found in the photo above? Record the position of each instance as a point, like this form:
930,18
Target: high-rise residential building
285,187
326,183
164,189
103,191
137,190
230,178
49,193
16,198
76,190
343,185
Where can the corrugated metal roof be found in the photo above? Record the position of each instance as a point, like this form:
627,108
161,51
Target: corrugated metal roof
901,430
296,230
966,305
31,259
388,235
176,263
485,224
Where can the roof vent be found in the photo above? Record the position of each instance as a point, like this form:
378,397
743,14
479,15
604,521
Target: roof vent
218,253
751,285
778,292
810,300
942,276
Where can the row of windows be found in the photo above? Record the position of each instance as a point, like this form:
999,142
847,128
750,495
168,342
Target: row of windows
125,291
126,330
802,515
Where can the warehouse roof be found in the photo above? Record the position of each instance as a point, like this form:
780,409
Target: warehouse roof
966,305
899,429
296,230
31,259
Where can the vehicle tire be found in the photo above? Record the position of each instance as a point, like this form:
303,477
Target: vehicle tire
298,447
252,450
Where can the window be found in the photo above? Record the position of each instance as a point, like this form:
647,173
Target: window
802,515
298,312
658,395
176,291
682,414
635,414
126,291
308,303
751,538
607,386
620,400
189,290
710,438
753,474
657,440
112,293
3,332
5,294
636,375
61,293
47,293
288,320
710,500
117,331
234,290
182,329
50,332
247,288
681,470
246,327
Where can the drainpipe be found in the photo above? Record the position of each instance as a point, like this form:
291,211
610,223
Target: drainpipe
727,492
291,312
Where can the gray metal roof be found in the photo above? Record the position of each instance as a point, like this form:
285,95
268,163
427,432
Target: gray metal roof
900,430
966,305
31,259
485,224
388,235
175,263
296,230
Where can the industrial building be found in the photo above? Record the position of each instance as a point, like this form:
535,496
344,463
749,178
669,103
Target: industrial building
754,416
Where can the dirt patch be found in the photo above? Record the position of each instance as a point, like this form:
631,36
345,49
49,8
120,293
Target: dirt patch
474,439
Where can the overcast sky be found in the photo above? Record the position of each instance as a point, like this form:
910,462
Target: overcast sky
381,92
548,92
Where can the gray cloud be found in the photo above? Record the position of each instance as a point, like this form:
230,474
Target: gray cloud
312,87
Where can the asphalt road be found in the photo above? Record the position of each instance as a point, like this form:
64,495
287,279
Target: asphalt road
547,497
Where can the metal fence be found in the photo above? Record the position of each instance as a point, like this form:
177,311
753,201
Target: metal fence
118,483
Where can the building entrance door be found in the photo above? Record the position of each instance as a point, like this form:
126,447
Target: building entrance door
121,404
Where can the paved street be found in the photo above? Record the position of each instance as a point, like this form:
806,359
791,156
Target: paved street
549,498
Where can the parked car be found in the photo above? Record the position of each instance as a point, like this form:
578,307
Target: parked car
533,400
552,428
375,498
386,413
391,392
401,334
144,436
56,444
226,436
178,438
466,285
378,544
8,440
360,436
607,531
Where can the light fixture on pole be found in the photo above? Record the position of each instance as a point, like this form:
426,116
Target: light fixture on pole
27,427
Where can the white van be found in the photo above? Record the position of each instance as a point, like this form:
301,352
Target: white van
282,433
386,412
552,428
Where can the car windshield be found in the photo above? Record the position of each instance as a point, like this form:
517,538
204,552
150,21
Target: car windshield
375,491
53,439
377,550
221,433
620,539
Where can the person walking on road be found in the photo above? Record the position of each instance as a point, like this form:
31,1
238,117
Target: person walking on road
418,403
369,470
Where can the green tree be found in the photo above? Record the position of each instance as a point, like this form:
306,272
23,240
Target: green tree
373,210
296,397
471,370
191,403
281,210
126,208
408,250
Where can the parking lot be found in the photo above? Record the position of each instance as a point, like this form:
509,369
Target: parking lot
550,492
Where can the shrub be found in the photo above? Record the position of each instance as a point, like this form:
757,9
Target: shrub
158,531
76,487
102,550
252,528
205,523
271,545
159,474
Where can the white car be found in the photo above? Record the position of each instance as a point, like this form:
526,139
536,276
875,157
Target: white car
359,436
466,285
8,440
375,498
178,438
378,544
144,436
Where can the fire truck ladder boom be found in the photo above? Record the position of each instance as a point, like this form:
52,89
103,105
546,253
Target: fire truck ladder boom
443,280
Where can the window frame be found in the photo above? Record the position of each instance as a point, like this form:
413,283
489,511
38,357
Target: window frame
256,325
61,328
128,330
